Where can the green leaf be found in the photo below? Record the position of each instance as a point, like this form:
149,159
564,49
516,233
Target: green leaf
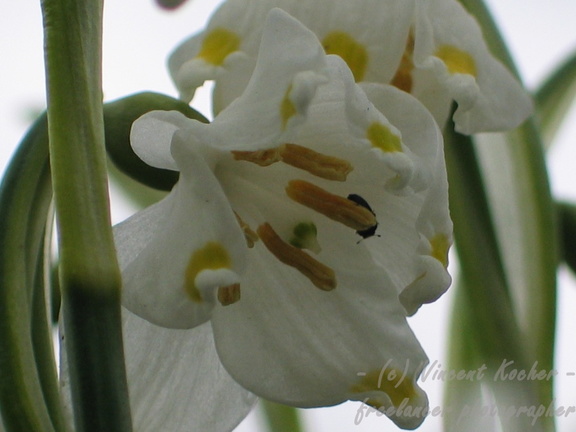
554,99
567,214
26,393
519,197
89,274
485,329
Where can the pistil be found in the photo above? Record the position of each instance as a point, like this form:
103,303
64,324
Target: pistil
320,275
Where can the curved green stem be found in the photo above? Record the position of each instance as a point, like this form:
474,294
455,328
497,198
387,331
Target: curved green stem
25,195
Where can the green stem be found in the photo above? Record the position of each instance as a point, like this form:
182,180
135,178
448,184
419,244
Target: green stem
89,274
281,418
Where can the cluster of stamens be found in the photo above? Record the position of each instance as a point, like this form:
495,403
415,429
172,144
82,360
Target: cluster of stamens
335,207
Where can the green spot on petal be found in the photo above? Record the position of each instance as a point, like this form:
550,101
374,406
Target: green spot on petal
212,256
352,52
382,138
217,45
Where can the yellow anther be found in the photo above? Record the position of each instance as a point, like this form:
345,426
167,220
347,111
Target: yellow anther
440,244
382,138
259,157
250,236
229,294
212,256
318,164
333,206
287,108
217,45
320,275
391,381
403,78
456,60
352,52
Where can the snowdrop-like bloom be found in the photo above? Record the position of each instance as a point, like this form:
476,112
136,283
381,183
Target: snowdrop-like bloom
307,223
433,49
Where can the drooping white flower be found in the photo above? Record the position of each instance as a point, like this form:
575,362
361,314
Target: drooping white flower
294,244
433,49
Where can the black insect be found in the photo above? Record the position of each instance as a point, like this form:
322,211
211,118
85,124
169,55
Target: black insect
368,232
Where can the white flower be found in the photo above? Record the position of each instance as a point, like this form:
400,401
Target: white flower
433,49
290,252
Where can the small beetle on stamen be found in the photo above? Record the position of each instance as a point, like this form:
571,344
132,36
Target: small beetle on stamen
368,232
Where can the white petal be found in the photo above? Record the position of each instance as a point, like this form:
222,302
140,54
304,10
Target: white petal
292,343
364,23
489,98
151,137
423,137
194,216
175,379
291,64
177,382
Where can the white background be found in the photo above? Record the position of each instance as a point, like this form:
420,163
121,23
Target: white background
137,38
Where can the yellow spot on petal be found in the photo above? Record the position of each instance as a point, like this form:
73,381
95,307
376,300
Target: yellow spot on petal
391,381
217,45
440,245
382,138
456,60
352,52
212,256
287,108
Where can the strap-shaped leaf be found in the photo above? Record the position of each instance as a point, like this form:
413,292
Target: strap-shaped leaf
514,172
485,328
554,99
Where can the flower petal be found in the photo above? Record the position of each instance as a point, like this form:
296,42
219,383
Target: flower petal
175,379
298,345
280,90
151,137
188,246
353,31
177,382
449,42
433,224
